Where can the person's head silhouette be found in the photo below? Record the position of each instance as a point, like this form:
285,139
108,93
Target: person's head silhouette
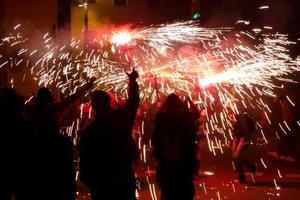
101,103
10,102
173,104
44,95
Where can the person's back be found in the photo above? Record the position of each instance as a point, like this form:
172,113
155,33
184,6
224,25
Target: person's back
288,147
44,119
106,154
93,155
174,133
174,146
289,107
54,173
243,127
53,170
107,150
15,148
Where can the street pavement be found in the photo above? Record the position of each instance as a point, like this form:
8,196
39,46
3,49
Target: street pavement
275,179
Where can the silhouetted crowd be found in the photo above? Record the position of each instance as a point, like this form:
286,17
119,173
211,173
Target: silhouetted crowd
37,160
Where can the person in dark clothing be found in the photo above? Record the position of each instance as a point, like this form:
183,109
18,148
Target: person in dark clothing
288,146
14,147
53,169
174,145
243,127
107,150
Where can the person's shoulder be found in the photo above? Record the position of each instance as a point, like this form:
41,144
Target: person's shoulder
29,107
64,138
88,131
89,127
183,115
62,142
161,115
26,126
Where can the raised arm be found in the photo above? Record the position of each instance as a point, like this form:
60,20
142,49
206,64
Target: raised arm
192,108
62,106
133,90
125,115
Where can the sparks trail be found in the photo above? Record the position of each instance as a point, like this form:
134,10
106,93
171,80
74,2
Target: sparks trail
180,57
55,64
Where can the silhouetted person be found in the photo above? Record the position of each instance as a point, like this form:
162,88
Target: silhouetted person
243,128
14,147
174,145
53,170
287,148
107,149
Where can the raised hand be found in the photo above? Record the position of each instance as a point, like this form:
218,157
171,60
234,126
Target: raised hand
133,75
90,83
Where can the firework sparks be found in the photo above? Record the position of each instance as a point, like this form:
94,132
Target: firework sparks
217,67
122,38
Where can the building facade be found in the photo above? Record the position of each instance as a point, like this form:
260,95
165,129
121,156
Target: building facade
103,13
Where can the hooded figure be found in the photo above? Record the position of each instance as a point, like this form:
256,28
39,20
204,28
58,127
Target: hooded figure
174,145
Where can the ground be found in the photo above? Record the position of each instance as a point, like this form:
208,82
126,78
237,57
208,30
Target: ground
275,179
